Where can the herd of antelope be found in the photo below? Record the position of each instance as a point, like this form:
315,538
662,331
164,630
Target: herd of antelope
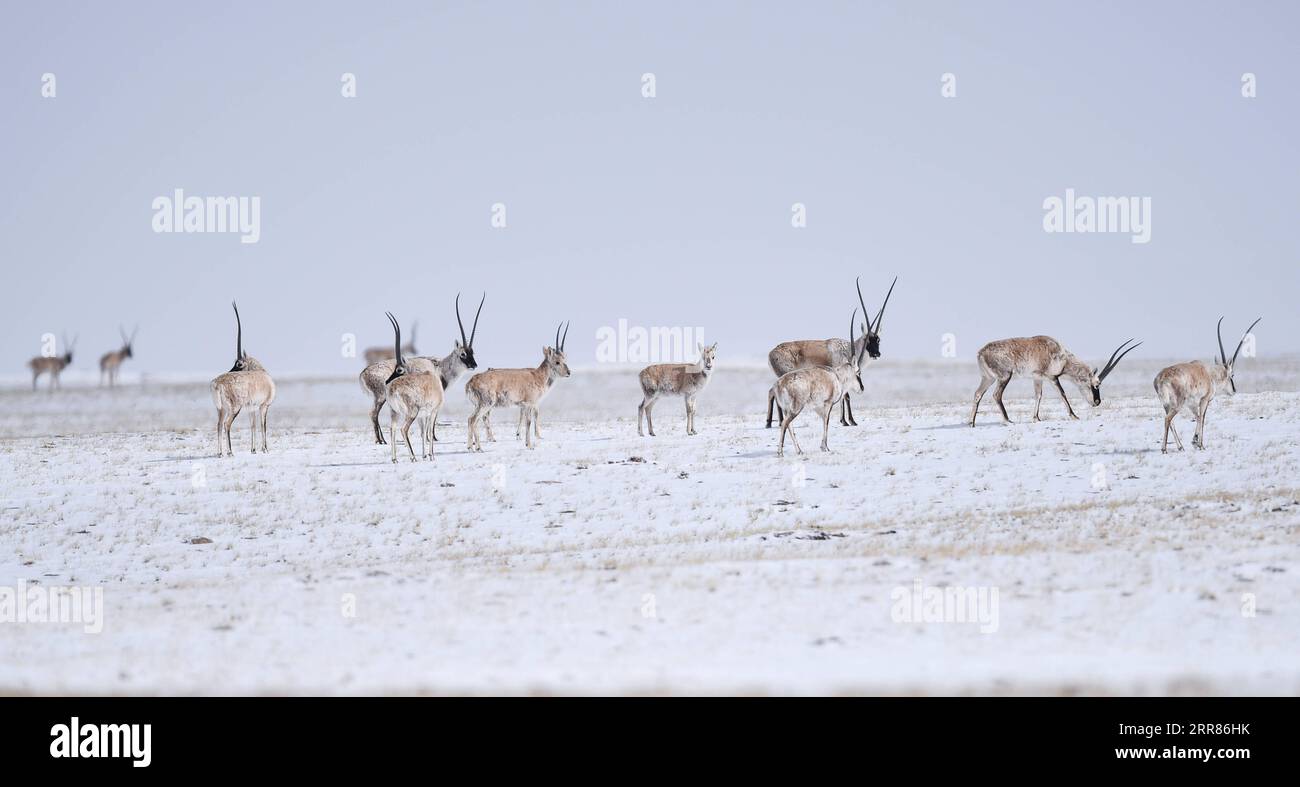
820,374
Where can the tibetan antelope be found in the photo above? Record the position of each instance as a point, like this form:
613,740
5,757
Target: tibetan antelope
788,356
53,365
374,378
385,353
111,362
821,387
247,384
1042,357
524,388
413,391
1193,385
679,379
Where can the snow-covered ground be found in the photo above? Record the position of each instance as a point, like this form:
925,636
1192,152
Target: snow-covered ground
605,562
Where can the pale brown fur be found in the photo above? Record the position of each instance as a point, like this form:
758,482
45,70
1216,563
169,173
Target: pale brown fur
52,366
1193,385
416,394
250,387
111,362
1042,358
678,379
523,388
818,386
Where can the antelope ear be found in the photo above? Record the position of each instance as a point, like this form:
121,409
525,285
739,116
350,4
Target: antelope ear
699,347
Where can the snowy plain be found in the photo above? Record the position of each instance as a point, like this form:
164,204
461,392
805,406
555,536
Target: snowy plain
605,562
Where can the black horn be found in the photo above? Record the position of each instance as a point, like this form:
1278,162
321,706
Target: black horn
239,334
880,315
1218,330
463,341
1116,357
1243,339
852,319
559,343
473,331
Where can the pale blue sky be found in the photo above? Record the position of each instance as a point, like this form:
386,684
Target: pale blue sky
672,211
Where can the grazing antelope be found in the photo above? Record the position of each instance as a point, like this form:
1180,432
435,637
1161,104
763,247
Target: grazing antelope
111,362
820,386
375,376
680,379
1193,385
1044,358
524,388
413,391
54,365
247,384
376,354
788,356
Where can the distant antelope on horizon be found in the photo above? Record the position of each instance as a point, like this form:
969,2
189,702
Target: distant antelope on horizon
1042,357
788,356
677,379
53,365
414,391
450,367
247,384
1192,385
522,388
385,353
111,362
822,387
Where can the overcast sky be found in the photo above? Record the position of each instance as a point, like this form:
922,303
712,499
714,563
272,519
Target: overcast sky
667,211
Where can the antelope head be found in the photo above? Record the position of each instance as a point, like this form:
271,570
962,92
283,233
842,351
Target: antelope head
555,360
399,364
243,363
1225,365
127,341
70,346
870,329
465,347
707,354
850,373
1089,381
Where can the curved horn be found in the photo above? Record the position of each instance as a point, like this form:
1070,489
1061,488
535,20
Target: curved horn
881,314
566,336
397,339
852,319
1116,357
463,341
1243,339
866,315
1218,330
122,333
556,346
239,333
474,330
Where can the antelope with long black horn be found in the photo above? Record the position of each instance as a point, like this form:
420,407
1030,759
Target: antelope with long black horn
247,384
522,388
450,368
1043,358
52,365
1192,385
818,386
110,362
413,391
788,356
